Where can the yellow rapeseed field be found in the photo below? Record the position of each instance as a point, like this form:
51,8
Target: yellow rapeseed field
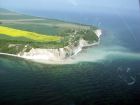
27,34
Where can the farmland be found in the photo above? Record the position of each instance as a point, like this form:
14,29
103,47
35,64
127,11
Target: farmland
18,30
32,36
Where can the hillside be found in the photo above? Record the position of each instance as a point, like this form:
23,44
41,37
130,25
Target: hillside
20,33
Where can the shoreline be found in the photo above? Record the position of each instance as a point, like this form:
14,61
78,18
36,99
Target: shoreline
45,58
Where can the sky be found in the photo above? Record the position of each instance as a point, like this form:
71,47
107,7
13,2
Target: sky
69,5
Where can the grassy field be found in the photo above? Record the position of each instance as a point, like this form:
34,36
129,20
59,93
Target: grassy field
18,30
41,29
29,35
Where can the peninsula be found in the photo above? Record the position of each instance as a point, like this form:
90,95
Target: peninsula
42,38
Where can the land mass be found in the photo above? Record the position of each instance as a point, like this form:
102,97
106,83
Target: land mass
39,38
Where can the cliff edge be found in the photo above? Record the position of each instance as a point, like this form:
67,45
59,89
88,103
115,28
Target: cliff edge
59,53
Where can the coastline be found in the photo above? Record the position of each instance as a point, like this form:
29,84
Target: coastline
48,56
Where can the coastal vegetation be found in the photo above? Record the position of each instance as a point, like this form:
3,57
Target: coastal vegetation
21,32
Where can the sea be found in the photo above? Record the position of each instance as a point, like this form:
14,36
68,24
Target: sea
107,74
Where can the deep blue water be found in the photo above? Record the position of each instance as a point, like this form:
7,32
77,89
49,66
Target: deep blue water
108,74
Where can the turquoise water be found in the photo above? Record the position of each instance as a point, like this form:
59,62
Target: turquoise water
27,83
107,74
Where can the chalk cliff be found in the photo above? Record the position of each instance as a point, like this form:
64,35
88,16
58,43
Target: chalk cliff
60,53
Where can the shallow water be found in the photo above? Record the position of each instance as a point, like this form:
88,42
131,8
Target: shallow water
111,82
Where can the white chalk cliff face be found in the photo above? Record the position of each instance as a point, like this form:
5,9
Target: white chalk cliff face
58,54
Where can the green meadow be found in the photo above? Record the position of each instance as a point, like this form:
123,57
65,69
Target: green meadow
22,30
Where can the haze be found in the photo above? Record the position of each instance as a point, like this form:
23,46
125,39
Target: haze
70,5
